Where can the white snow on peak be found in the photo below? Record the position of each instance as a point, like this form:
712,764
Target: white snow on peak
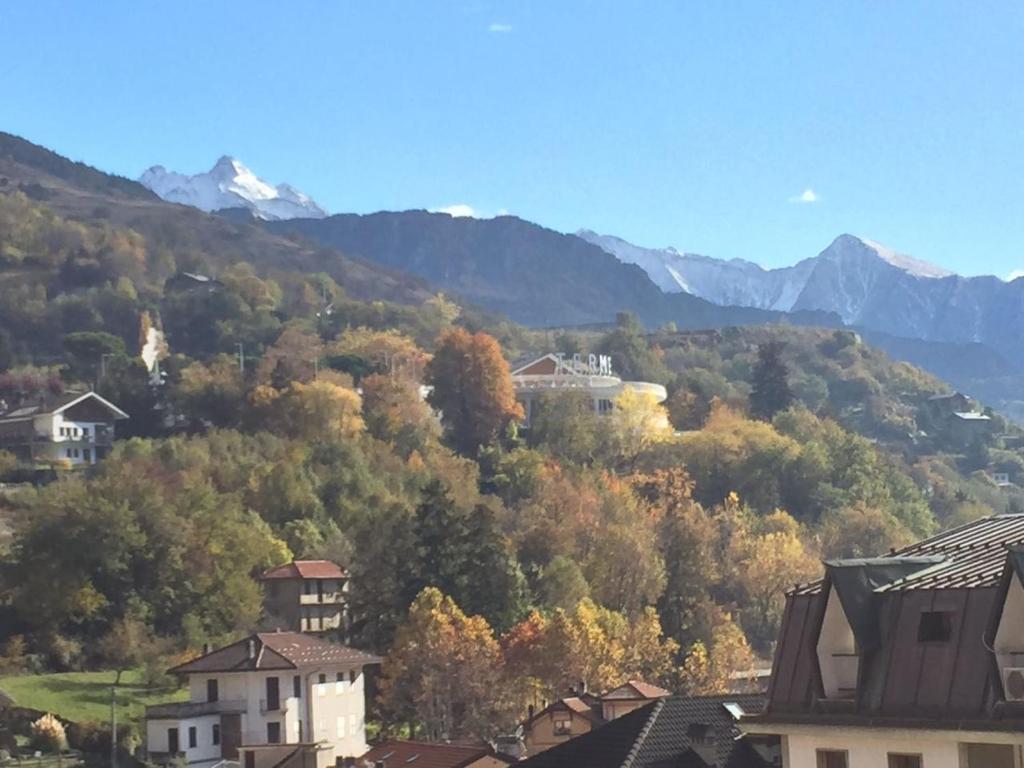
901,261
230,184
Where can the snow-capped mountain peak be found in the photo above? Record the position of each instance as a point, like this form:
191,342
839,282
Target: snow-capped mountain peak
844,245
230,184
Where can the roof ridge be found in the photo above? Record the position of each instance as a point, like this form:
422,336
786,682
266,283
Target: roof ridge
639,743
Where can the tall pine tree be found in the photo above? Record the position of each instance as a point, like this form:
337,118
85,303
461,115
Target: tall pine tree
771,392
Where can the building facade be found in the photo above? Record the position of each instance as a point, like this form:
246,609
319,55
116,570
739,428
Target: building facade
307,596
908,660
592,374
262,699
74,429
572,716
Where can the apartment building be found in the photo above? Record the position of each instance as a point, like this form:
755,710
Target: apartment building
264,700
307,596
911,660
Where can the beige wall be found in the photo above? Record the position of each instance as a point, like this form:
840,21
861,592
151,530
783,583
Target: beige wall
541,733
870,749
613,709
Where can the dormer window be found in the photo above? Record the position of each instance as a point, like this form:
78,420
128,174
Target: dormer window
563,726
837,652
935,627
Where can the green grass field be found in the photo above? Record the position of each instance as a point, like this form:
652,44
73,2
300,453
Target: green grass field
83,696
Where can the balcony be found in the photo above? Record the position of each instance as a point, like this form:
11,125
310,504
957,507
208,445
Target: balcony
277,707
179,710
326,598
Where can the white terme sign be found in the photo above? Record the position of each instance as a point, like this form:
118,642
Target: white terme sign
592,365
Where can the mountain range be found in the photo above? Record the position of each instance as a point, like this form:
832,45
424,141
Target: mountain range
967,330
230,184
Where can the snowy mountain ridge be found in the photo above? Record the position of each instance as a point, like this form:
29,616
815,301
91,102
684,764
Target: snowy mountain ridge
230,184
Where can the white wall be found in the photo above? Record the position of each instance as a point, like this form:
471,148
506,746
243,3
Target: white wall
156,737
838,672
1009,642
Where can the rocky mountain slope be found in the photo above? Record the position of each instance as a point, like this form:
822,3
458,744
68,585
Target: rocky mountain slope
229,184
536,276
864,283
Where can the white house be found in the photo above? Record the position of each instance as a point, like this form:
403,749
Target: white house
264,701
75,428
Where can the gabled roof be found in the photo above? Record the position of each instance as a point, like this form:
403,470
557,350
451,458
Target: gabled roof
971,416
588,706
973,555
275,650
634,690
306,569
400,753
58,404
663,733
545,365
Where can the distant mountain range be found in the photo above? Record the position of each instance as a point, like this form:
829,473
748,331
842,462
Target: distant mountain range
229,184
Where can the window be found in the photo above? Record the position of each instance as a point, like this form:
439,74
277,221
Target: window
904,761
68,452
935,627
86,454
833,758
273,733
563,726
322,678
321,684
297,686
216,734
250,759
212,691
339,682
192,737
340,724
172,741
352,675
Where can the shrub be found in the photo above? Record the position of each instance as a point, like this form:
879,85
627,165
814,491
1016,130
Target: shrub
47,734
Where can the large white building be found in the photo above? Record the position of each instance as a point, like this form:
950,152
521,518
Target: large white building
592,374
274,698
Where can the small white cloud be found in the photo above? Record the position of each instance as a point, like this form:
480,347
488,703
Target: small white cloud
456,211
1014,275
499,28
807,196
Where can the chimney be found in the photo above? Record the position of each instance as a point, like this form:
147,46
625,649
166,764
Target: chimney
583,687
207,648
529,712
252,648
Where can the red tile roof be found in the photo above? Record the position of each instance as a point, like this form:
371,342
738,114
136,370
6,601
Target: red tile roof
306,569
275,650
633,690
398,753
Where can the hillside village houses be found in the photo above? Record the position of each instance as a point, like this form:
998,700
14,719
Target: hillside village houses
912,660
592,374
71,429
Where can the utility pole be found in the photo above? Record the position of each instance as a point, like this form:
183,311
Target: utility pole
113,725
241,358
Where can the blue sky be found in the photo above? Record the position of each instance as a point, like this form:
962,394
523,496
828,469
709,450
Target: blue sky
755,130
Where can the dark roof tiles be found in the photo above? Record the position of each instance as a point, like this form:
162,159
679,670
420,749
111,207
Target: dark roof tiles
275,650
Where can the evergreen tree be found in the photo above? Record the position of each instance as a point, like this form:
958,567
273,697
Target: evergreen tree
771,393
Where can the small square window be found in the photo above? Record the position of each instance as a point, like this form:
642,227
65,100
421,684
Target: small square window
563,727
935,627
352,675
904,761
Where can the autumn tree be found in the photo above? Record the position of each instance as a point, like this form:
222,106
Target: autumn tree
771,392
472,388
565,425
444,672
317,411
710,666
395,412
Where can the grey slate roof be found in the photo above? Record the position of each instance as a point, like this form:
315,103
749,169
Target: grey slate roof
676,732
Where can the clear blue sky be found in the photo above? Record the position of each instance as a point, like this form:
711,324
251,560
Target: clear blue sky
695,124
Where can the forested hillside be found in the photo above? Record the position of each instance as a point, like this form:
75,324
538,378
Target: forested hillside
298,417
